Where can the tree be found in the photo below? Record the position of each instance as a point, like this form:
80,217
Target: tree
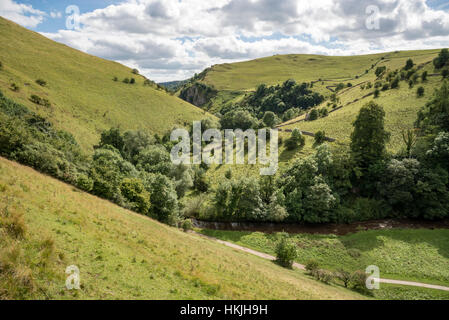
409,137
269,119
445,73
442,59
154,159
420,91
424,76
369,138
408,64
286,252
376,93
112,137
434,116
320,137
313,115
134,191
164,203
296,140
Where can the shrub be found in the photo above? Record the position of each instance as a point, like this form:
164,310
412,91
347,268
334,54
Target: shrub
132,81
385,87
134,191
376,93
41,82
187,225
409,64
126,80
358,280
296,140
420,92
286,252
395,83
84,183
340,86
14,87
40,101
424,76
312,266
349,84
445,73
135,71
313,115
442,59
12,222
320,137
324,276
228,174
380,70
344,276
115,79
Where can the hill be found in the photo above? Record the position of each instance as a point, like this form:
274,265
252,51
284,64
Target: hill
47,225
82,96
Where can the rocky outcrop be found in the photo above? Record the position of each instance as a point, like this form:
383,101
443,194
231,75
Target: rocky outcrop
197,94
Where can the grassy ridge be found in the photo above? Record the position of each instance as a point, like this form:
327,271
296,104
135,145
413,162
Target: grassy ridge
84,98
122,255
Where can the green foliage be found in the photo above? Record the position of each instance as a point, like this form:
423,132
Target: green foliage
369,138
135,71
320,137
286,252
312,266
380,70
187,225
296,140
40,101
41,82
340,86
420,92
445,73
126,80
434,116
313,115
14,87
238,119
442,59
164,202
408,64
270,119
134,191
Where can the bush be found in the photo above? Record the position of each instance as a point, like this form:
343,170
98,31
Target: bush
296,140
409,64
385,87
135,71
445,73
320,137
395,83
344,276
41,82
115,79
40,101
424,76
324,276
126,80
442,59
358,280
134,191
14,87
187,225
84,183
312,266
286,252
420,92
313,115
132,81
376,93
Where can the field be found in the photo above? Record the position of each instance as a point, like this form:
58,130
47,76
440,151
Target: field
84,98
123,255
405,254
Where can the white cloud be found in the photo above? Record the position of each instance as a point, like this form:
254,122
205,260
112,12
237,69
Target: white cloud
171,39
22,14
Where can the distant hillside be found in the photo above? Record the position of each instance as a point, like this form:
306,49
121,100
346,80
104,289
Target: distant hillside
79,93
173,85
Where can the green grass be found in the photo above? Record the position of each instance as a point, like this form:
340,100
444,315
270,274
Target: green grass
410,254
123,255
84,98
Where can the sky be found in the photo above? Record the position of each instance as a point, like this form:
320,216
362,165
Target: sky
174,39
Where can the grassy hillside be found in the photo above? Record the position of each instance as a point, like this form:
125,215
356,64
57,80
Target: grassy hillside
416,255
80,88
247,75
47,225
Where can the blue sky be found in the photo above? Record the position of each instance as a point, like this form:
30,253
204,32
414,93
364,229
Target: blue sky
173,39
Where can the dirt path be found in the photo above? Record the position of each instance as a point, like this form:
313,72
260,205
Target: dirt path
302,267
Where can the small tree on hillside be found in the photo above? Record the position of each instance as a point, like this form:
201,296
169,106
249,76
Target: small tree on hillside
286,252
313,115
420,92
442,59
369,138
409,64
269,119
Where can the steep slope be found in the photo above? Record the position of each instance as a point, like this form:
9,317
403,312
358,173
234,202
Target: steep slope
121,254
80,88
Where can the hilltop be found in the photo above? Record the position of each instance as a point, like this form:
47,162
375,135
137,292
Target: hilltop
78,92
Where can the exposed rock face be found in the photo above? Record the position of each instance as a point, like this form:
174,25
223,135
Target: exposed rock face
197,94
